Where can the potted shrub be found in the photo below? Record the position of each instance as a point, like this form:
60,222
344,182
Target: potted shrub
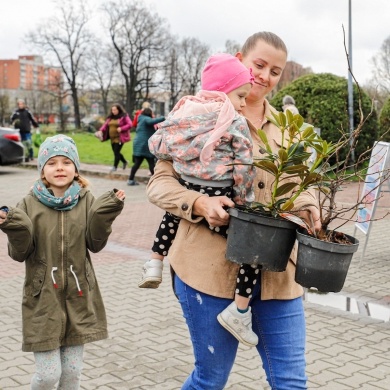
323,257
264,234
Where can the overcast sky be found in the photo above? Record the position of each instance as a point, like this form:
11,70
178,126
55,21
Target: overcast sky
312,29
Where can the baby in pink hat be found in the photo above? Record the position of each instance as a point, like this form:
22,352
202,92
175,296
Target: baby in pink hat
210,146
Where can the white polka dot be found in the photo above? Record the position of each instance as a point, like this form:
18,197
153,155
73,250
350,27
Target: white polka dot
171,231
248,290
161,246
170,224
217,229
254,282
165,253
165,238
217,192
156,239
257,271
242,271
246,279
238,280
162,226
237,291
202,191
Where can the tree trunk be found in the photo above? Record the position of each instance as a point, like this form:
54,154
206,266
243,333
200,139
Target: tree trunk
76,107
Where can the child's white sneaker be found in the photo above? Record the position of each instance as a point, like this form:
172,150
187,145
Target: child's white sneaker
152,274
238,324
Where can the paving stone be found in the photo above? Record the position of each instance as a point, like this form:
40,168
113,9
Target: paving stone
149,346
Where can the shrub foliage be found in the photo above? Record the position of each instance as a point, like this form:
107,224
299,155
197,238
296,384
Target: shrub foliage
322,100
384,121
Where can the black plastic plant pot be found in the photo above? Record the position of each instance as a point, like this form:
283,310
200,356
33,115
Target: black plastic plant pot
260,240
321,264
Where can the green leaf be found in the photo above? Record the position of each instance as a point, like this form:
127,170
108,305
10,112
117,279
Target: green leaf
311,179
285,188
308,131
288,206
298,168
290,116
283,156
299,158
282,119
262,136
267,166
298,120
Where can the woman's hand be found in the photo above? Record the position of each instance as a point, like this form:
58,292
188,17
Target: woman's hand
212,209
120,194
118,129
311,215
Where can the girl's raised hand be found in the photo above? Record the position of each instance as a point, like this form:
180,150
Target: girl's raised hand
3,216
120,194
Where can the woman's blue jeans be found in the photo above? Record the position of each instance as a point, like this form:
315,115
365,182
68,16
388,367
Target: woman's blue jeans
279,324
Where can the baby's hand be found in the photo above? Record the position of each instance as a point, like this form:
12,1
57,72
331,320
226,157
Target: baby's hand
120,194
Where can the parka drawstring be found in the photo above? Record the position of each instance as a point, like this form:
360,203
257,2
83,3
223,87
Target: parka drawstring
77,281
53,269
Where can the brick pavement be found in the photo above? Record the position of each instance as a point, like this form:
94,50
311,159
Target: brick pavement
148,346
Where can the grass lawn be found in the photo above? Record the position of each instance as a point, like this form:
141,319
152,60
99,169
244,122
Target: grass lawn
92,151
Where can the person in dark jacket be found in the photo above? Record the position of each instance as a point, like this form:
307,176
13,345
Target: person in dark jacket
145,129
53,230
22,120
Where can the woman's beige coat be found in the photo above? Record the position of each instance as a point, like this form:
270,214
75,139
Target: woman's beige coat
197,255
53,244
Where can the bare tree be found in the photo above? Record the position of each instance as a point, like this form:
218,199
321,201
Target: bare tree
381,72
101,68
139,38
232,47
56,96
184,62
192,58
67,38
172,80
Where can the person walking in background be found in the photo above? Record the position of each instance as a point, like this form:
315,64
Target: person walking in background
211,148
22,119
138,113
204,281
117,128
53,229
289,104
145,129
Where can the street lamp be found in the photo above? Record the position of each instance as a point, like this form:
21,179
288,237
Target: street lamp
350,84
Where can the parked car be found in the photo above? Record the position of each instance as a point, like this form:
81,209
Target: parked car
11,147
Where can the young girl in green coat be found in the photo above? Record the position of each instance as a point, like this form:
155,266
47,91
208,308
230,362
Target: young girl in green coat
53,230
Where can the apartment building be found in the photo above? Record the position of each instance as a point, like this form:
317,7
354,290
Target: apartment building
30,79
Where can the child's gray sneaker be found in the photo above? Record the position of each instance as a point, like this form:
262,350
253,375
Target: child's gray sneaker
152,274
238,324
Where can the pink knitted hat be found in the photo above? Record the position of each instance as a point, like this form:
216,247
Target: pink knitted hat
224,73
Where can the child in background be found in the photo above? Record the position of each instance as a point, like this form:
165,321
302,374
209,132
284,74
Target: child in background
204,135
52,230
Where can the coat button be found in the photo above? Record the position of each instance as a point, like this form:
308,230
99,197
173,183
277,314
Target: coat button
260,185
184,206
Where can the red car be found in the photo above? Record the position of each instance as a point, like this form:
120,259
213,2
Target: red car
11,147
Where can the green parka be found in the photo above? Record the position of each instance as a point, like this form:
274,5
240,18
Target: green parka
62,304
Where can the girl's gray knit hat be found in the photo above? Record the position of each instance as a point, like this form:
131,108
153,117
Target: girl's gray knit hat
58,145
